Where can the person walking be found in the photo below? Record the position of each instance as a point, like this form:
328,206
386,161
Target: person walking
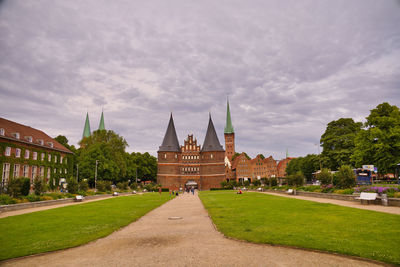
192,190
159,190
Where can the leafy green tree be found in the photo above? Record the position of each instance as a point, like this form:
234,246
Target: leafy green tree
379,142
296,179
345,177
306,165
338,142
83,186
39,186
62,140
145,165
72,186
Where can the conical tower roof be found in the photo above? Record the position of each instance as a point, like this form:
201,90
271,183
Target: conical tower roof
170,142
211,142
86,130
228,126
101,124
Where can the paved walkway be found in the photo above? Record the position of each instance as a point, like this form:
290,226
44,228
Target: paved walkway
29,210
155,240
358,205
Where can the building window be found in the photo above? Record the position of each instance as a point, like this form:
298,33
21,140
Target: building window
40,141
66,160
61,159
16,135
26,171
2,131
27,154
60,170
55,158
49,157
211,155
6,174
50,144
176,156
34,155
8,151
34,173
41,171
42,156
55,170
16,170
48,174
65,171
29,139
165,156
17,152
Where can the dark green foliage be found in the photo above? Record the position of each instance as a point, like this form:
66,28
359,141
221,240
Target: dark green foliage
103,186
338,142
6,200
379,142
345,177
134,186
256,182
237,154
307,165
325,176
296,179
26,186
246,183
19,186
72,186
123,185
38,186
83,186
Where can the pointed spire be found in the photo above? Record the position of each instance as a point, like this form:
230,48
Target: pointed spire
228,126
211,142
170,142
101,124
86,130
287,153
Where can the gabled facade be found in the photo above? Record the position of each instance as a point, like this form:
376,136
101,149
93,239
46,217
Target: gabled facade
190,164
31,153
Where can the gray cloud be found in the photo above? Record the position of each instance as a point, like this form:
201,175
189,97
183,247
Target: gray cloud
289,67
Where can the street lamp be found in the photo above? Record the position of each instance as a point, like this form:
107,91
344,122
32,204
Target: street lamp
77,172
376,174
95,177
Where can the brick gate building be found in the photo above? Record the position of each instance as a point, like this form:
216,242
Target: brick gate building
190,164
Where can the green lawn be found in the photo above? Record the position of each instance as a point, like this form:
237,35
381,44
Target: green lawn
271,219
71,226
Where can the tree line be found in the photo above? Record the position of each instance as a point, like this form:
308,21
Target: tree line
346,142
114,164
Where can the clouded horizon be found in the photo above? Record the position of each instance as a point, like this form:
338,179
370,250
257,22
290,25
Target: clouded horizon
289,68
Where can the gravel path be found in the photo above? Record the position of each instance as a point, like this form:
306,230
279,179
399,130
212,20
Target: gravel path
358,205
156,240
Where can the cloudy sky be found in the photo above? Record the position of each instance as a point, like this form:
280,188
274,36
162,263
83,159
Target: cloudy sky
289,67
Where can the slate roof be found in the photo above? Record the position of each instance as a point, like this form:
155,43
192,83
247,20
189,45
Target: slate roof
170,142
24,131
211,142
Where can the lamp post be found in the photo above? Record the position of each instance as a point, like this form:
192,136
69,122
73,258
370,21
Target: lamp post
95,177
376,175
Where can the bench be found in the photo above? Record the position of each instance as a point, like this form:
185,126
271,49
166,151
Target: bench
79,198
290,191
115,194
367,196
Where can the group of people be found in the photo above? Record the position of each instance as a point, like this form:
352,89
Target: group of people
176,192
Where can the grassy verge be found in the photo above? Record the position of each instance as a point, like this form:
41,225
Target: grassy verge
71,226
271,219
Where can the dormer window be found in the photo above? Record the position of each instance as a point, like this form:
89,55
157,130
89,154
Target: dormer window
40,141
29,139
2,132
50,144
16,135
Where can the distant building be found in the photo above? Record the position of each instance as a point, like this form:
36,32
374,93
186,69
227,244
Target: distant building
29,152
190,164
242,168
282,166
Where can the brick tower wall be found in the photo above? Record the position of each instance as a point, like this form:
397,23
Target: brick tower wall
229,145
212,169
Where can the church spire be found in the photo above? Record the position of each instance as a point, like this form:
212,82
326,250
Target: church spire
86,130
170,142
101,124
211,142
228,126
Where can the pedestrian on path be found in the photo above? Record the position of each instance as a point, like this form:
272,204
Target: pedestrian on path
192,190
159,190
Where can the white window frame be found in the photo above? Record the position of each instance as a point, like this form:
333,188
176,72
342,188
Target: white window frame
7,152
2,131
55,158
33,173
34,155
61,159
42,156
49,157
25,172
18,152
41,172
16,170
6,174
26,154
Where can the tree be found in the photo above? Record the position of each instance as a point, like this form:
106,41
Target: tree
62,140
109,149
72,186
306,165
379,142
338,142
145,165
296,179
325,176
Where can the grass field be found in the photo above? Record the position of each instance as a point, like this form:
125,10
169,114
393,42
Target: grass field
71,226
263,218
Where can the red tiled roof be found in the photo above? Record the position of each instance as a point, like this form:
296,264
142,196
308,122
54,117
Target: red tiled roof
24,131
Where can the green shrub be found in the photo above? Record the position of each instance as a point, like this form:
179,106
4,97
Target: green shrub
296,179
312,188
325,176
345,177
33,198
72,186
6,200
83,186
246,183
396,194
164,189
123,185
19,186
103,186
257,182
38,186
134,186
26,186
